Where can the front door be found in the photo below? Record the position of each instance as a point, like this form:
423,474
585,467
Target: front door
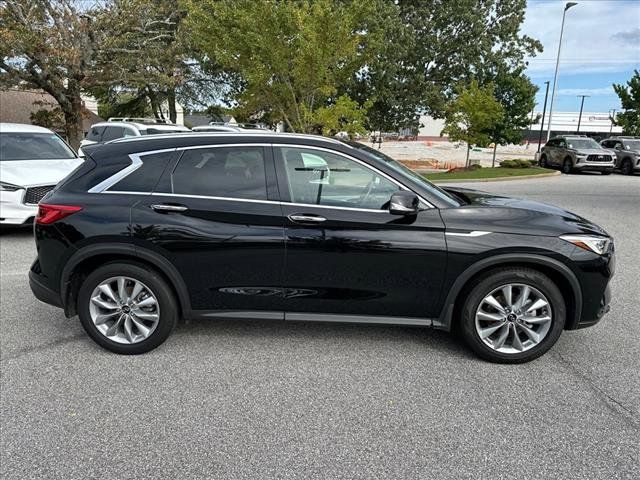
215,215
346,254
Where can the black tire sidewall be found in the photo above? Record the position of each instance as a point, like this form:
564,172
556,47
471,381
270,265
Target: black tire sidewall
566,162
153,280
543,161
627,167
495,279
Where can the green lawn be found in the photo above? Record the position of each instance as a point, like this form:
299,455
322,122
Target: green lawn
487,173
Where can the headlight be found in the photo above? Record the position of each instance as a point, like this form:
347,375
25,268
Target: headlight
592,243
9,187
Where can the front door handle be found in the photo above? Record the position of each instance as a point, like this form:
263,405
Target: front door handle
306,218
165,207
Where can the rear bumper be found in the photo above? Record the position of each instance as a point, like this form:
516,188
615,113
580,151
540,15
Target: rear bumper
42,292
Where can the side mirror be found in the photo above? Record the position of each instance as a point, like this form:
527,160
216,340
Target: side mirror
403,203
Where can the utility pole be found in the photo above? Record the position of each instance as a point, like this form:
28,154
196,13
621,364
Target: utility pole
581,107
567,6
544,110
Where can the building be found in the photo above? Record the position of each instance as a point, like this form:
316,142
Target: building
594,124
18,106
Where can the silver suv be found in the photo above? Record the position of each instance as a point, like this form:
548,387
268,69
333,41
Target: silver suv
627,151
577,153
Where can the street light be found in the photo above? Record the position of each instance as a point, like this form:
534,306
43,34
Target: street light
544,109
567,6
581,106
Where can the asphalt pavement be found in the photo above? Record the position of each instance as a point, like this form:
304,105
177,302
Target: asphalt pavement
250,399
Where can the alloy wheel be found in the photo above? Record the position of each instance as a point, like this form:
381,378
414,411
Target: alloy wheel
124,310
513,318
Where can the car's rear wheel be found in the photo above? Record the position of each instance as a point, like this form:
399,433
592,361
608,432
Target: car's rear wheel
127,308
513,315
627,167
567,166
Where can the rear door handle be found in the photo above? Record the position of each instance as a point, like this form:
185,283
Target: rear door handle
165,207
306,218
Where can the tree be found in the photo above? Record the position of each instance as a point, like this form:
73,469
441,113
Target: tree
516,94
472,114
290,57
629,95
435,45
48,44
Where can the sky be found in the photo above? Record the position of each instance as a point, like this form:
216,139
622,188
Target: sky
600,46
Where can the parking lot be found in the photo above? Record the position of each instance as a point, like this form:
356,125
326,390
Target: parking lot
250,399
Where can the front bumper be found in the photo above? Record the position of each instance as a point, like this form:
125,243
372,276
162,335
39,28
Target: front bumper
605,306
13,211
594,166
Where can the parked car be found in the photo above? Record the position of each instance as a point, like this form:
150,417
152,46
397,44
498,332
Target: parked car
116,128
627,150
306,228
576,153
32,161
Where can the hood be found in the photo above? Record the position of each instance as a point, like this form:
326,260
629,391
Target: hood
515,215
26,173
592,151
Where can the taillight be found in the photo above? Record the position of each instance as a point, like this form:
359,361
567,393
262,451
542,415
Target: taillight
52,213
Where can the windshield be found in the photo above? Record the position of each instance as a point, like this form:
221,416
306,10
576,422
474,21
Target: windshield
33,146
406,172
582,143
632,144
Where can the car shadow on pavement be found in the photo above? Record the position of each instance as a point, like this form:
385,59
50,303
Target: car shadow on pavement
332,333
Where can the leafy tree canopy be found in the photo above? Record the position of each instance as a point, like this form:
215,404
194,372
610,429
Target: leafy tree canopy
629,95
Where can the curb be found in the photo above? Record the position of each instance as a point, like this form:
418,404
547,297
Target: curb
497,179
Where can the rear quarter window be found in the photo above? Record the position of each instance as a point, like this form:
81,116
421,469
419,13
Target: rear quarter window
146,177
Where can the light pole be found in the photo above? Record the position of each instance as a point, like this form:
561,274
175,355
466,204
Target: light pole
567,6
581,106
544,110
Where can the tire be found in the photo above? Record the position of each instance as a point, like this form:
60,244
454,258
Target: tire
163,308
517,277
567,166
627,167
543,161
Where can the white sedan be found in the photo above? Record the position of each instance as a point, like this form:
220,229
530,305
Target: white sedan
32,161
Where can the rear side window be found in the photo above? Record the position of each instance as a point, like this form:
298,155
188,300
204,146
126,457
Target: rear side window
111,133
233,172
145,178
95,134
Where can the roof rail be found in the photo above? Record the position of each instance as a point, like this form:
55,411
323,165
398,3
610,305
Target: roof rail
146,120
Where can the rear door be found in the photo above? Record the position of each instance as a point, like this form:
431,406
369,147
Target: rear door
346,254
215,216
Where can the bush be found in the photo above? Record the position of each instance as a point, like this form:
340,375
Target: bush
475,166
508,164
523,163
534,163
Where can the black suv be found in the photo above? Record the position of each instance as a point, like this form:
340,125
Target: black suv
295,227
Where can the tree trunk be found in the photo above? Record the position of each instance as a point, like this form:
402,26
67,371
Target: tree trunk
495,147
171,100
155,105
72,112
466,163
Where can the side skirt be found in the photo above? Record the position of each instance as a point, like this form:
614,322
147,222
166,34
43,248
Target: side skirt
311,317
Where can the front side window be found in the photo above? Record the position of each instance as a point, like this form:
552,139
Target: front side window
33,146
323,178
232,172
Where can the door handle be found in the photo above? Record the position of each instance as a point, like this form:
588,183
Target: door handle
164,207
306,218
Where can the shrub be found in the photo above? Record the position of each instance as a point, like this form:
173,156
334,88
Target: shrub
522,163
534,163
508,164
475,166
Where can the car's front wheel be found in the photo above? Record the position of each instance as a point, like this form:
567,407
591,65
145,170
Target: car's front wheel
627,167
127,308
567,166
513,315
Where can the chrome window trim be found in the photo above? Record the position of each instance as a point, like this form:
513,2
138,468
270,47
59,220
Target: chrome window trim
136,163
474,233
